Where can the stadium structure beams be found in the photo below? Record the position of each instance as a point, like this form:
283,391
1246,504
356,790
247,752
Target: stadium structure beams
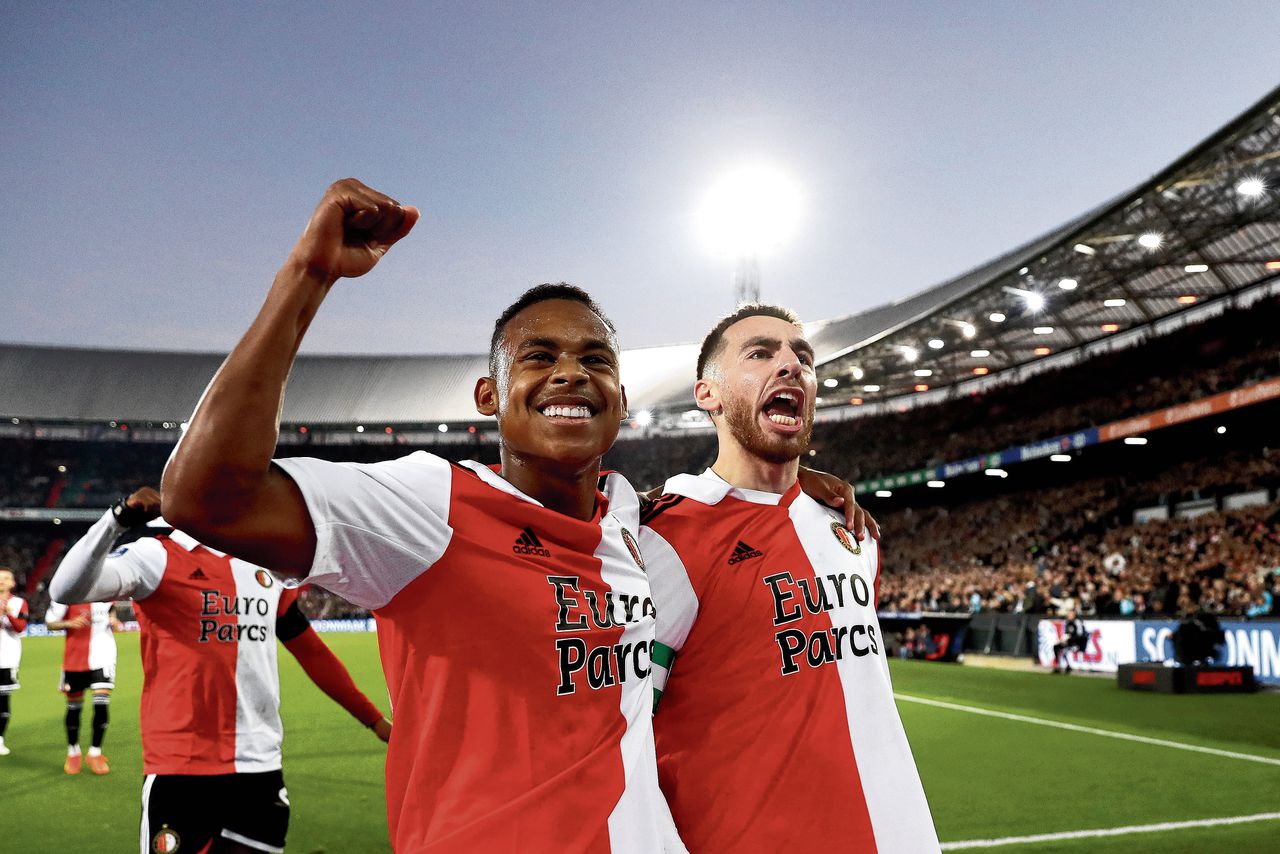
1136,248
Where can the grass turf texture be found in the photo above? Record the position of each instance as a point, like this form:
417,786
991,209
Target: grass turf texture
985,777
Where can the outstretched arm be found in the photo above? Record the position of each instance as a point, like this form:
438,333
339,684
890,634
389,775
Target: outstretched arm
326,670
219,485
90,573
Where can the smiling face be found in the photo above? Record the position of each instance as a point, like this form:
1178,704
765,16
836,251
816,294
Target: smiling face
556,391
7,581
763,384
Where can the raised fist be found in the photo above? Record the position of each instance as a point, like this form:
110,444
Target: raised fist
144,503
350,231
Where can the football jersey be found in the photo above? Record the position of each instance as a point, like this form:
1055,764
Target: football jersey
92,647
516,643
210,690
10,635
775,723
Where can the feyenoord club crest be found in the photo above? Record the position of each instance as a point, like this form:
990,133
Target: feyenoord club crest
166,841
264,578
846,539
633,548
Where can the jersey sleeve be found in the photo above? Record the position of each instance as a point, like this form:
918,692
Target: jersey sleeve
675,601
16,614
378,526
92,572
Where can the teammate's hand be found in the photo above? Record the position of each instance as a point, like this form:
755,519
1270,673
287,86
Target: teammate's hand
351,229
837,492
145,502
382,729
80,622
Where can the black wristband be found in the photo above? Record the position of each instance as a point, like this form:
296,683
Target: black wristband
129,517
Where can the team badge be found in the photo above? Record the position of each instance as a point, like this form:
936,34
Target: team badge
633,548
264,578
846,539
166,841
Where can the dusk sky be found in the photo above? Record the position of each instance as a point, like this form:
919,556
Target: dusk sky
158,160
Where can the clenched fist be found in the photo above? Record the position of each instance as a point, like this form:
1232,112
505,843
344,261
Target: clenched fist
351,229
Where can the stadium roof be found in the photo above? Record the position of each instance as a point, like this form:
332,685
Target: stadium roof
1206,227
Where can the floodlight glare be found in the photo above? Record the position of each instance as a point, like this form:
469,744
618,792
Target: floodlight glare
979,354
871,389
1043,330
443,428
1060,458
1135,440
936,343
997,317
935,484
1085,249
924,372
1221,430
857,372
1150,240
910,354
749,211
1196,268
831,382
644,418
996,473
1113,303
1035,302
1251,187
884,493
968,330
1068,284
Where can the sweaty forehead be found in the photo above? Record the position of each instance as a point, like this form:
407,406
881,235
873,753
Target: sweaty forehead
567,322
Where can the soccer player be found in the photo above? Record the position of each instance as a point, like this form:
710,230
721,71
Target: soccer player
210,721
88,662
515,617
776,727
13,624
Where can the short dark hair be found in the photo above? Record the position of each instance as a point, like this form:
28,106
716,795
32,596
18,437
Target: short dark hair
533,296
713,344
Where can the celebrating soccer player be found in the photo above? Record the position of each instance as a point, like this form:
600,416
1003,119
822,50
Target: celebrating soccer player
211,732
13,624
776,728
88,662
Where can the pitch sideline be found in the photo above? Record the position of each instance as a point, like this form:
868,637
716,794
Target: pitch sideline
1109,831
1124,736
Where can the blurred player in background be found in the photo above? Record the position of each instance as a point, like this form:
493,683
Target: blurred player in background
210,721
88,663
776,725
13,624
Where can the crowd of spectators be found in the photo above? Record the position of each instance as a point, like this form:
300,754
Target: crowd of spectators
1051,550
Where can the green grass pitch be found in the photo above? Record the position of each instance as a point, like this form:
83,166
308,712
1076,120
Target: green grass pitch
986,778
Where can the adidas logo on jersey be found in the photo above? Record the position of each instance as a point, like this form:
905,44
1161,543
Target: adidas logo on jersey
528,544
742,552
198,575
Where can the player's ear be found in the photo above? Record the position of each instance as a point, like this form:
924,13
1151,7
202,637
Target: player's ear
486,396
623,389
707,395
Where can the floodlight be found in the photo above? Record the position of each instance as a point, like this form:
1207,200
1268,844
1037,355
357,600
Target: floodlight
749,211
1252,187
1068,284
644,418
1113,303
831,382
1150,240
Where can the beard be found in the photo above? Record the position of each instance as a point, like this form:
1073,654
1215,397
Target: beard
740,417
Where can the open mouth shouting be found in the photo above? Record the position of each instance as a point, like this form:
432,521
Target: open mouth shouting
784,410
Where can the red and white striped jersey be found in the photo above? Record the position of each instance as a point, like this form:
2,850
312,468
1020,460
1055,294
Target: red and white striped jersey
92,647
516,645
13,625
776,724
210,693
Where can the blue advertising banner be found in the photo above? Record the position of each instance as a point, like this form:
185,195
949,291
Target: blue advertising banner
1253,644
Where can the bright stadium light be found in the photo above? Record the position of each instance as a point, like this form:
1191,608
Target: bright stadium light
1252,187
443,428
968,330
1043,330
831,382
996,473
923,372
884,493
359,428
1085,249
1196,268
1060,458
749,211
643,418
1135,440
979,354
1150,240
1221,429
1035,302
1114,303
857,372
997,317
910,354
937,343
871,389
1068,284
936,484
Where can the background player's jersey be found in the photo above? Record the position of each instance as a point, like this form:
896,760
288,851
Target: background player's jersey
516,643
210,693
776,724
92,647
13,625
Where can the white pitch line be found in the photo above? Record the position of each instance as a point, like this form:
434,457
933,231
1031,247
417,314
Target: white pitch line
1108,831
1125,736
